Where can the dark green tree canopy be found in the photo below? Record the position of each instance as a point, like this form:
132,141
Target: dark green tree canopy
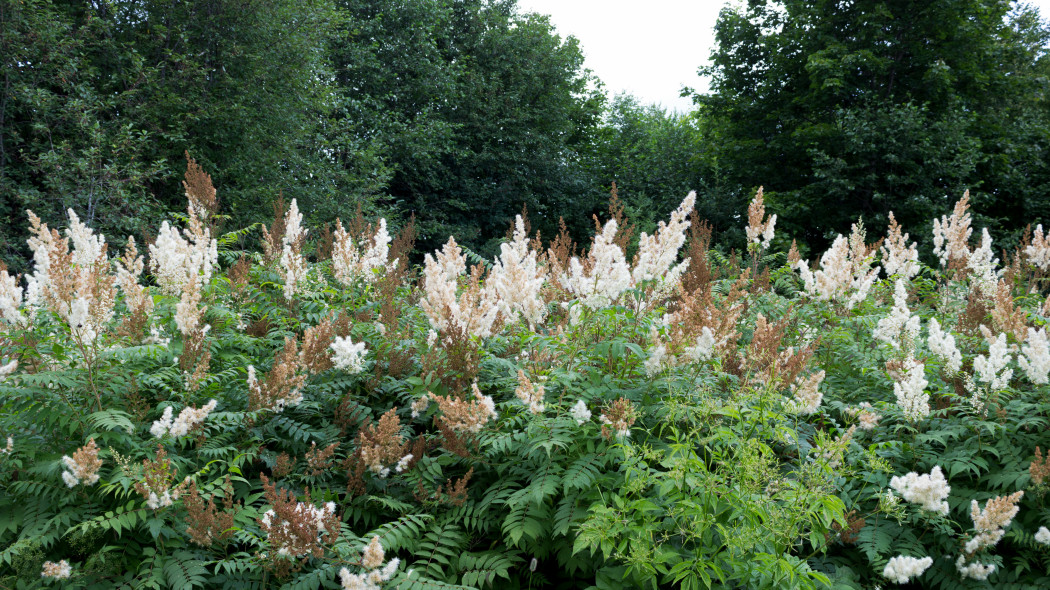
458,111
849,108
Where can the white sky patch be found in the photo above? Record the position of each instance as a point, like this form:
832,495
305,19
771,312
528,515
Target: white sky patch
649,49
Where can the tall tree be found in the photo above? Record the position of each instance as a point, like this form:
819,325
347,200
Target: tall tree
844,109
479,110
63,141
101,99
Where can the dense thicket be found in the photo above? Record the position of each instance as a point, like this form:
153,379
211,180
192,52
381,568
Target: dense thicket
479,111
462,112
253,419
101,100
858,108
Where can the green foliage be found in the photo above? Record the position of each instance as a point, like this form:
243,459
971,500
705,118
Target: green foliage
240,440
842,110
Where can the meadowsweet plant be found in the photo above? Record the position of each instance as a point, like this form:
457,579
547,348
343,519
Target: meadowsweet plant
900,258
942,345
309,410
83,467
846,272
348,356
929,490
375,571
1043,535
760,230
362,259
1038,251
902,568
1036,359
189,419
951,234
57,571
910,390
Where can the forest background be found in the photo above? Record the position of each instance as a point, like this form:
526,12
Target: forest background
464,112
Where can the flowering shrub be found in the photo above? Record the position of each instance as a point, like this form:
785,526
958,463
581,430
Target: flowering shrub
320,414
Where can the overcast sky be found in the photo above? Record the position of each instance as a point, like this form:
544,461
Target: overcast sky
649,48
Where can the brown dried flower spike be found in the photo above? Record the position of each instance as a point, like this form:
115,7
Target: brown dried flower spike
1039,469
205,522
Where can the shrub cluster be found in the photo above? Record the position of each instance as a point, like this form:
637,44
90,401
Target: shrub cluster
320,414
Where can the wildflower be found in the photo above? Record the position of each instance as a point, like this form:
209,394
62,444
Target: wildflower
350,263
759,232
44,243
174,259
420,405
292,262
439,284
372,556
977,571
531,395
83,466
402,464
381,445
992,369
951,234
189,418
87,247
618,419
517,279
942,345
903,568
9,448
137,299
295,528
1036,359
348,356
599,280
910,391
580,413
371,560
156,337
10,299
845,271
1039,468
475,311
188,311
867,417
162,426
1042,536
463,416
657,253
929,489
899,258
704,349
991,522
899,329
156,483
982,266
56,571
1038,252
205,522
284,383
657,361
807,395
